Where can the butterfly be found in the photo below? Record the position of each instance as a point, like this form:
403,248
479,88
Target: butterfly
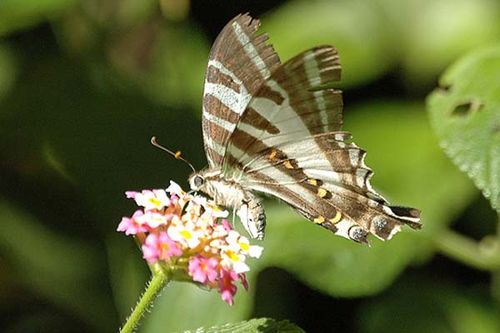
271,128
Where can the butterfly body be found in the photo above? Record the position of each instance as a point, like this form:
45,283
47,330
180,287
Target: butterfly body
276,129
229,193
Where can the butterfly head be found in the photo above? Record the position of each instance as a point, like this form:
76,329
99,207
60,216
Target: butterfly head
200,180
197,181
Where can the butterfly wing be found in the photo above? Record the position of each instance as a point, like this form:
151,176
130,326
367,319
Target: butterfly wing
239,62
288,143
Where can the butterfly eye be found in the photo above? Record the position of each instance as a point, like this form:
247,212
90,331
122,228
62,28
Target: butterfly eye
198,181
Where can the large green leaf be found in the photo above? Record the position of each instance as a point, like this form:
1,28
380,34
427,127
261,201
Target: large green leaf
262,325
465,113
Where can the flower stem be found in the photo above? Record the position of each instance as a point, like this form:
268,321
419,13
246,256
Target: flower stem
154,287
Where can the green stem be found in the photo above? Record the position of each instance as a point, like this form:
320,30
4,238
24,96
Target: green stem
158,281
481,255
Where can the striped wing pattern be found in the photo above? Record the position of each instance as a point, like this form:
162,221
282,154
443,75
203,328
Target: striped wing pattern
239,63
275,129
289,144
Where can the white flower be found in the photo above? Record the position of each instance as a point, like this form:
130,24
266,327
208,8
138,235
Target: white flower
241,244
174,188
233,260
152,219
185,233
155,199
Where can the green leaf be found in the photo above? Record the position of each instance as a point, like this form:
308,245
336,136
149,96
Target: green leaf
18,14
178,67
432,307
465,114
184,306
359,30
8,69
262,325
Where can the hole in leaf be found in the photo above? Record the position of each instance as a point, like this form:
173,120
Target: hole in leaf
462,109
495,128
466,108
445,87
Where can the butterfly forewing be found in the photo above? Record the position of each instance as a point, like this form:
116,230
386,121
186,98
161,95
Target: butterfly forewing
239,63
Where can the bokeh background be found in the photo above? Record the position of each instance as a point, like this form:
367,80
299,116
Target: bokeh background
84,84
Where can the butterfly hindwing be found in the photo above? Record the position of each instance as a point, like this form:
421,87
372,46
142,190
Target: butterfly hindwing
289,144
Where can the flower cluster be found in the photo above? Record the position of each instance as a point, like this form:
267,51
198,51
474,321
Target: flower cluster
190,234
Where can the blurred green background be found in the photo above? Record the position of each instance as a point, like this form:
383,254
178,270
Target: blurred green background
85,84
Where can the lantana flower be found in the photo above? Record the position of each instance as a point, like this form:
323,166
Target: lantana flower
188,235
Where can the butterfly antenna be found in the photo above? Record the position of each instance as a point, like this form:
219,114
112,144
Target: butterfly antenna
177,154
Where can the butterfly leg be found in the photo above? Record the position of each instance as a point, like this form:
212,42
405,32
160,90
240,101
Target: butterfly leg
252,216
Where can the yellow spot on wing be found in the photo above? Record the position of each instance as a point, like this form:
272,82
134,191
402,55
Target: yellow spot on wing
322,192
336,218
312,181
272,155
288,164
320,219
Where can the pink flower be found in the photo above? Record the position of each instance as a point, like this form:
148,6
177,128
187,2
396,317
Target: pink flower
132,226
159,247
203,269
189,236
243,280
227,226
227,287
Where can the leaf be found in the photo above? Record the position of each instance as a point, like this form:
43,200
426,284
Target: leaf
433,307
19,14
8,69
262,325
465,114
184,306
